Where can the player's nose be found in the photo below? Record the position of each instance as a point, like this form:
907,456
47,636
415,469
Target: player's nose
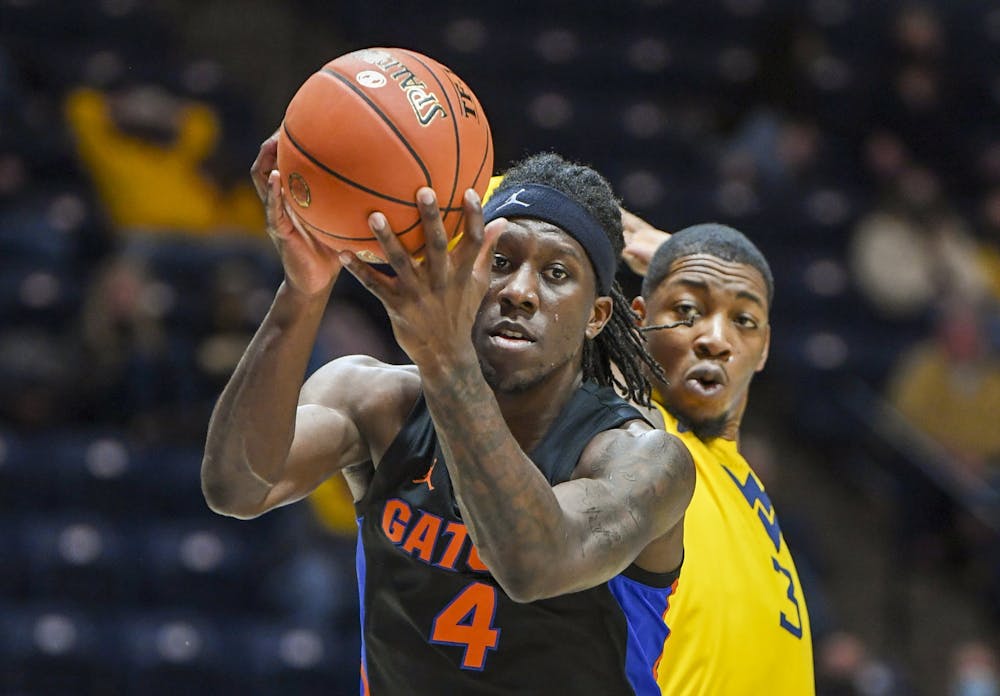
713,338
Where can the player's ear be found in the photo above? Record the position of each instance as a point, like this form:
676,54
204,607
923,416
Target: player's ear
639,307
600,313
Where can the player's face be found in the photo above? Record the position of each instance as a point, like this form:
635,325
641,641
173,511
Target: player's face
709,365
539,306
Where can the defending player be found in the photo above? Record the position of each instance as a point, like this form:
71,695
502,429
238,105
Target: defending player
518,519
738,621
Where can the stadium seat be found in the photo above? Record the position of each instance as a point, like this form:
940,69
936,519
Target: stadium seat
307,661
52,648
167,653
95,469
197,563
77,557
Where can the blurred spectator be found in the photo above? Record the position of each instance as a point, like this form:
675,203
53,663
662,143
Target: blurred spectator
948,386
37,378
885,159
974,671
846,667
989,248
145,150
917,100
914,248
312,584
918,33
350,328
135,376
239,298
773,149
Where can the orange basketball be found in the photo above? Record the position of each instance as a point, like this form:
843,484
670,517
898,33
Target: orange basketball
367,130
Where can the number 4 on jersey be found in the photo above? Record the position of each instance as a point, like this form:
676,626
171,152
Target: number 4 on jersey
468,621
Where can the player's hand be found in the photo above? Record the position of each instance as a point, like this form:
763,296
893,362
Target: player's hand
641,242
310,267
432,303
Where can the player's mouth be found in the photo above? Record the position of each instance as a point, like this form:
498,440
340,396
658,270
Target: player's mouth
706,379
511,336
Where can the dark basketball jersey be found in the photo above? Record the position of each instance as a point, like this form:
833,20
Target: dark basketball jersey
434,621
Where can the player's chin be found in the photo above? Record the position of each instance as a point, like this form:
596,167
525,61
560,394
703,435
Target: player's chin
504,378
699,408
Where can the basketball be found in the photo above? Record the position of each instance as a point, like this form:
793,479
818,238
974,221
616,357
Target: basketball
368,129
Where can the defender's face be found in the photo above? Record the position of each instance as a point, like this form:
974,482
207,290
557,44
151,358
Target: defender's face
710,364
539,307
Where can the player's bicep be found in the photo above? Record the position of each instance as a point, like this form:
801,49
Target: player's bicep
632,491
325,441
606,526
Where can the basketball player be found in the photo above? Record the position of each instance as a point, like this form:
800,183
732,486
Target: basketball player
737,619
518,520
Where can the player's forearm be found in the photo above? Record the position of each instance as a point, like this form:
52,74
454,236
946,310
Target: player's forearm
253,422
508,506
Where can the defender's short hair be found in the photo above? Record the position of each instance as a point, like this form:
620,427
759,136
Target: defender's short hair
710,238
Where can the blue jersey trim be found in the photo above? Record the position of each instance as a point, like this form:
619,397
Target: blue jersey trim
644,608
359,565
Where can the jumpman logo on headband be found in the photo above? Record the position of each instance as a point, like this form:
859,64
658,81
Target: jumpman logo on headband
512,200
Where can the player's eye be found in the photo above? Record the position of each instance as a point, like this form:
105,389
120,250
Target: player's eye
686,310
558,272
500,262
746,321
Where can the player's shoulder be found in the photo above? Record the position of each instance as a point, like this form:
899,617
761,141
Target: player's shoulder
654,428
360,382
652,414
636,446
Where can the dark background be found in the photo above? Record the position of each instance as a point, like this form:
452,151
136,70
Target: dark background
854,141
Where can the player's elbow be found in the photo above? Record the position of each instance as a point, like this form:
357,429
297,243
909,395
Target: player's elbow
226,498
523,590
222,502
512,572
542,585
524,581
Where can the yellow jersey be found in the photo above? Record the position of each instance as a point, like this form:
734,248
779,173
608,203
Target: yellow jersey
738,622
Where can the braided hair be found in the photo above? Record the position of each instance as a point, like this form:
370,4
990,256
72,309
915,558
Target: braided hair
620,344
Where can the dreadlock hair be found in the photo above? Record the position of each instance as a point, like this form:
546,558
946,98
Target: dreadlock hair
620,343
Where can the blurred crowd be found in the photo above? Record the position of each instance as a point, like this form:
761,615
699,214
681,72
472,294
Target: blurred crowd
855,142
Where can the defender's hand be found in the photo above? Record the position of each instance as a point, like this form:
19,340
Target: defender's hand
641,242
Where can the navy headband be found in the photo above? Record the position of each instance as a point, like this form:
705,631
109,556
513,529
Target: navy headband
545,203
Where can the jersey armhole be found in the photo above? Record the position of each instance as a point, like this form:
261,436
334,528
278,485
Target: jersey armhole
382,478
634,572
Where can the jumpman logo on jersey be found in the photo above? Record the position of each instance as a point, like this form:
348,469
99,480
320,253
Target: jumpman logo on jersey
427,477
512,200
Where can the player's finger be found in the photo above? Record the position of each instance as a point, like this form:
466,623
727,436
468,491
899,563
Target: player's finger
274,207
470,245
484,257
264,164
435,238
378,284
395,255
297,227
